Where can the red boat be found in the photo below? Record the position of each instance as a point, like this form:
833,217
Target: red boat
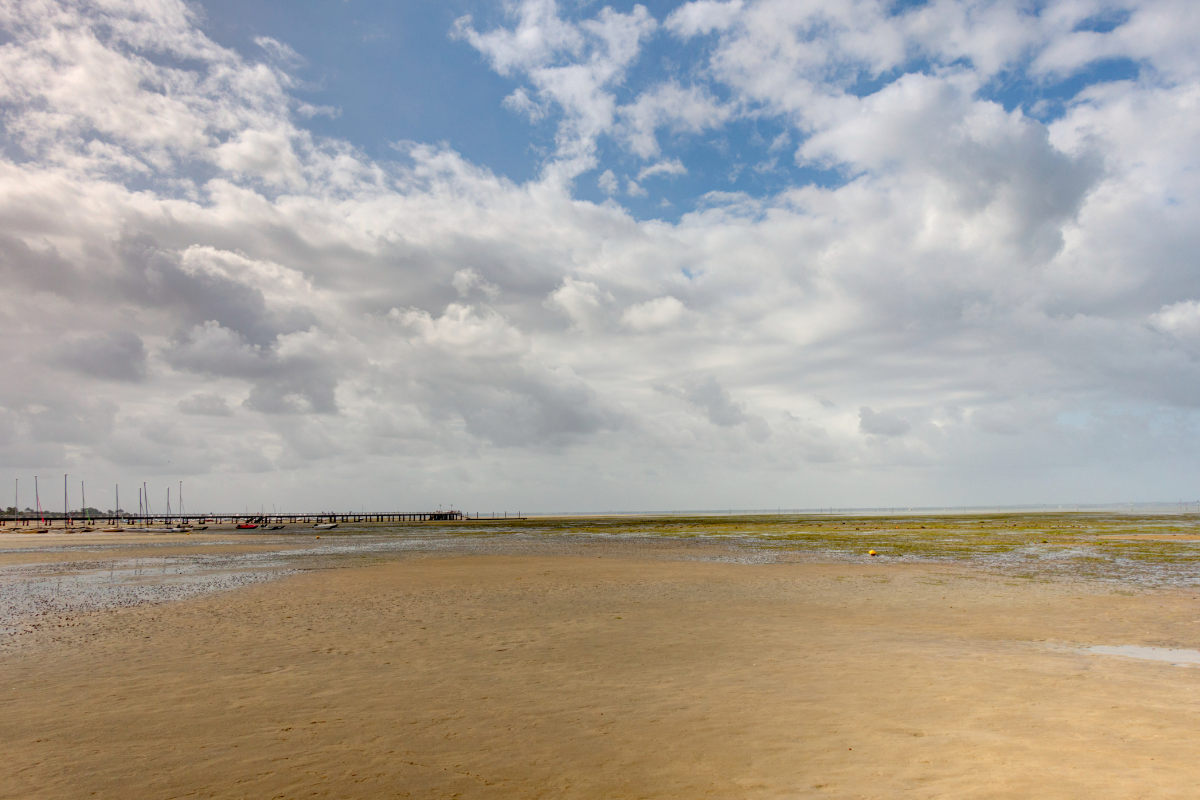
246,526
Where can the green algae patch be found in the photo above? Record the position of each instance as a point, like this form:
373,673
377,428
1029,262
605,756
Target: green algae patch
1025,545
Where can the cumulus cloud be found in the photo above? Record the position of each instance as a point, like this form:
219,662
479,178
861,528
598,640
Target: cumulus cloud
582,302
1181,319
206,404
703,16
679,109
652,315
716,403
293,375
597,54
990,285
116,355
608,182
467,280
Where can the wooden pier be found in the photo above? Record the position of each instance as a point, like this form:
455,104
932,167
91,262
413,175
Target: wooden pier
320,518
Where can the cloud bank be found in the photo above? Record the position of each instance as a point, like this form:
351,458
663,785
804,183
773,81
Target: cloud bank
982,301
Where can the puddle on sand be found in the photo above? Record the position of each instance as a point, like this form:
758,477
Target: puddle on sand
1178,658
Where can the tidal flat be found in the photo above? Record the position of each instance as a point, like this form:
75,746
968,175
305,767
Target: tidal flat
993,656
1140,550
46,576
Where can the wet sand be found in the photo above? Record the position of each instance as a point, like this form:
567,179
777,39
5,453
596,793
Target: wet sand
614,670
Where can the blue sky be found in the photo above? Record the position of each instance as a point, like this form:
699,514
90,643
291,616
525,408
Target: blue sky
717,253
395,72
392,72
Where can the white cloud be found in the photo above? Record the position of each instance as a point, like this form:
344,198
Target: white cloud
598,53
882,423
702,17
1181,319
520,102
206,404
463,331
279,52
608,182
671,167
583,302
653,315
1015,297
114,355
710,397
466,281
679,109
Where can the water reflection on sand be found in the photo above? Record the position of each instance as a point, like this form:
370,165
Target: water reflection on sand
1176,657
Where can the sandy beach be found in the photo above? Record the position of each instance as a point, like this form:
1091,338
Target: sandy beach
593,669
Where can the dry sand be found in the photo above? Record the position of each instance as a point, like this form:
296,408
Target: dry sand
636,675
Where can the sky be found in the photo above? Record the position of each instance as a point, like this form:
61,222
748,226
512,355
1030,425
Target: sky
539,256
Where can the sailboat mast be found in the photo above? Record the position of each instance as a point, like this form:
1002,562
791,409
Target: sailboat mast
83,501
66,506
37,498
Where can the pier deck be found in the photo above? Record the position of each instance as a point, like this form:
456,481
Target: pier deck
325,517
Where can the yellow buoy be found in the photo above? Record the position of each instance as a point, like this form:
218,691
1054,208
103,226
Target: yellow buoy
872,553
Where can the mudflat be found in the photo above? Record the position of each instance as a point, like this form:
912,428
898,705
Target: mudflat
641,673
